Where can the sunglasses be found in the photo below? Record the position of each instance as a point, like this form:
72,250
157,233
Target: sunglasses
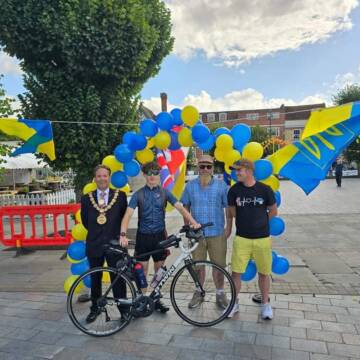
152,172
202,167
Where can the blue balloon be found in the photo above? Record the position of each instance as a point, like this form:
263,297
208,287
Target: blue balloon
241,134
176,114
129,138
131,168
277,198
139,143
200,133
274,256
174,145
164,121
79,268
277,226
280,266
119,179
221,130
208,144
250,271
263,169
76,250
87,281
123,153
148,127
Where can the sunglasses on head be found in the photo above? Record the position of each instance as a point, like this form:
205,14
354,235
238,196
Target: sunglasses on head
202,167
152,172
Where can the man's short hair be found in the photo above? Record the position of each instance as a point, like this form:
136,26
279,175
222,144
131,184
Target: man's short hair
101,166
153,165
244,163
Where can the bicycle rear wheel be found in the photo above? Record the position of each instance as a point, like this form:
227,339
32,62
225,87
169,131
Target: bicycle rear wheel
109,319
210,308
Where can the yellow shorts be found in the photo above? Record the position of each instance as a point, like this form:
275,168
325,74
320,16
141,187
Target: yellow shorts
245,249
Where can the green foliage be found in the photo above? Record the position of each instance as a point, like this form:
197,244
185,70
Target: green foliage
348,94
85,60
259,134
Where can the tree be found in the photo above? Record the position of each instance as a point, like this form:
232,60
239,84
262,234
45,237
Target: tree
348,94
85,60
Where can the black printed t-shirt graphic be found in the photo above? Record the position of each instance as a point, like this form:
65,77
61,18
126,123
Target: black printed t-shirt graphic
251,204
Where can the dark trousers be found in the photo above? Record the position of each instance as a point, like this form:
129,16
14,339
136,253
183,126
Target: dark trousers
119,288
338,176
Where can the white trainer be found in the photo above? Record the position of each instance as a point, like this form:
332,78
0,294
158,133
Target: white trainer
234,310
266,312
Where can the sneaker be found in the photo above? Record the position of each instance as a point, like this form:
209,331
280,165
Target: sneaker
196,300
160,306
222,301
234,310
266,312
92,316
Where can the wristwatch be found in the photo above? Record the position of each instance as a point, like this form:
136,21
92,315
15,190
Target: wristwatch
123,233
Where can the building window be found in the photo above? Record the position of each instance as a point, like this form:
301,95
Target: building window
273,131
210,117
273,115
296,134
252,116
222,117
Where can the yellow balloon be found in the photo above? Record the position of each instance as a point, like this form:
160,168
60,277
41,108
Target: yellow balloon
253,151
79,232
78,216
224,142
190,115
126,189
89,188
227,169
144,156
106,277
219,154
162,140
112,163
184,137
150,143
273,182
232,156
72,261
69,281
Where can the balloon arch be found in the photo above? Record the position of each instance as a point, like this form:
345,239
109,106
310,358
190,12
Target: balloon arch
172,131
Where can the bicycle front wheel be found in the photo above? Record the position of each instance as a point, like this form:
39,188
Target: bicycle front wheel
204,305
108,320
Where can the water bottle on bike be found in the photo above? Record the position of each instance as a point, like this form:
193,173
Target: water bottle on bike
140,275
158,276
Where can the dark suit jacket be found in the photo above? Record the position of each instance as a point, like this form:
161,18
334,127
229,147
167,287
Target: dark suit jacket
98,235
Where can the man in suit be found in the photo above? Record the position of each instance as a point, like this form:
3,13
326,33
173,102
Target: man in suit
101,213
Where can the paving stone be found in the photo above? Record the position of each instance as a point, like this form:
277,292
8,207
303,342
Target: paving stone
252,351
282,354
289,331
47,337
263,328
72,340
351,301
68,354
13,321
351,339
315,300
207,333
289,313
326,357
186,342
292,298
239,337
216,346
354,311
21,334
348,319
229,357
304,323
332,326
21,347
320,316
332,309
159,352
321,335
196,355
154,338
309,345
273,340
302,306
344,350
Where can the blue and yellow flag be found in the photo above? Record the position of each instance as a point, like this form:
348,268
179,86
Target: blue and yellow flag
327,133
37,134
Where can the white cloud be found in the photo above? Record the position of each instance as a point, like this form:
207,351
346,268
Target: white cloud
237,31
342,80
9,65
245,99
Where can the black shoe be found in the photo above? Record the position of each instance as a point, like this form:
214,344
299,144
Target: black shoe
92,316
161,307
258,299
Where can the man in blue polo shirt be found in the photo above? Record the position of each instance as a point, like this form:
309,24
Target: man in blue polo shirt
206,198
151,202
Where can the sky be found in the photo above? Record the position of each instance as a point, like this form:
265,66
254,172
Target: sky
249,54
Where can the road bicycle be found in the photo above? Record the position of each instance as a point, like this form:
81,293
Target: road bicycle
193,276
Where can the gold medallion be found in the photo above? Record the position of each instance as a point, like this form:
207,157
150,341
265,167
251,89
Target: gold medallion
101,219
101,202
